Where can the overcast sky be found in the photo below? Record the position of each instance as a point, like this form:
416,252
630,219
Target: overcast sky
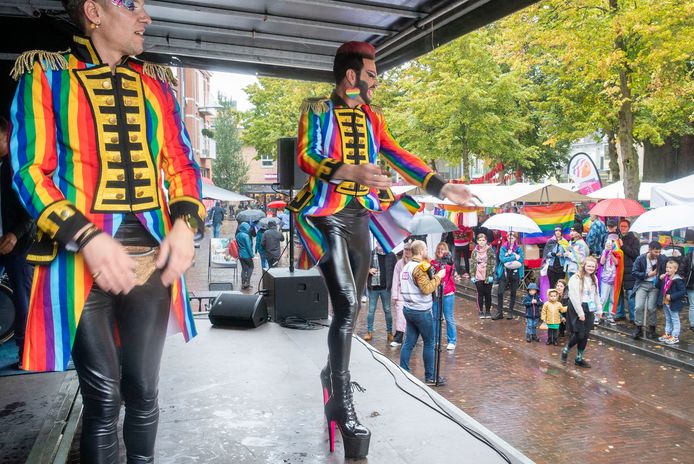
232,85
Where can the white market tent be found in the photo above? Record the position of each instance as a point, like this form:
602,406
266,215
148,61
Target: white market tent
218,193
677,192
616,190
497,195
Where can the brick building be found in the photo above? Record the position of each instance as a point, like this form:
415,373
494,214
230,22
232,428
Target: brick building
197,108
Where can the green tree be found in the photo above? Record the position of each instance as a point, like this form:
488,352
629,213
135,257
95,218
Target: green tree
615,67
275,113
461,101
230,169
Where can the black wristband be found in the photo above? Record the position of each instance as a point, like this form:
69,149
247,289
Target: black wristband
87,237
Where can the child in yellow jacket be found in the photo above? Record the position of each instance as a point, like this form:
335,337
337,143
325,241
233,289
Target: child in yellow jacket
552,316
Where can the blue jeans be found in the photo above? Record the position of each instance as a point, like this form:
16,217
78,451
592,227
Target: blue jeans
419,323
620,304
448,301
215,229
631,299
691,307
263,260
672,322
384,295
530,326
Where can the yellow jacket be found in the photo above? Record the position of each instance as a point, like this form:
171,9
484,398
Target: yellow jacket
551,312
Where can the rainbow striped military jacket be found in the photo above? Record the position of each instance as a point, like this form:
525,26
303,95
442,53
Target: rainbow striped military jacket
89,146
332,134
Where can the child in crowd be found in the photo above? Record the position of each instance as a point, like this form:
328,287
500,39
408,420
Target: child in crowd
610,267
533,311
672,291
552,316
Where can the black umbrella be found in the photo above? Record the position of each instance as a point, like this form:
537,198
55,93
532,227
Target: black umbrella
428,224
263,223
250,215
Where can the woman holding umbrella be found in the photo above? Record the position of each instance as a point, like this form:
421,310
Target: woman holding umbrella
510,273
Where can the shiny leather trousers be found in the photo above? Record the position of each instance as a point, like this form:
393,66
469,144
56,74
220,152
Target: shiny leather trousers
109,373
345,268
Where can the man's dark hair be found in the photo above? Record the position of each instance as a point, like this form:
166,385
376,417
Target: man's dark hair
655,245
75,10
351,55
625,220
4,125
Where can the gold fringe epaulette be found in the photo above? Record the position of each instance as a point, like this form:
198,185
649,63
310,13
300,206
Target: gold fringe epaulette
49,60
377,110
159,71
317,105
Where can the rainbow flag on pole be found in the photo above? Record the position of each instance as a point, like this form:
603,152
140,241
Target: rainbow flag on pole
548,217
390,227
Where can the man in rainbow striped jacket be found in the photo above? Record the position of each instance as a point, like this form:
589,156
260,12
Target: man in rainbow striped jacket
339,141
97,136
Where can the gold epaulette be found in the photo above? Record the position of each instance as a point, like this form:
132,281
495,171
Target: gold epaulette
317,105
377,110
159,71
49,60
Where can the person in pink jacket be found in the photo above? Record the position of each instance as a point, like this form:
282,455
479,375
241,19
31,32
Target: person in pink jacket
397,302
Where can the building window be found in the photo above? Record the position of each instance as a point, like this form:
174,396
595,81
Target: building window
266,161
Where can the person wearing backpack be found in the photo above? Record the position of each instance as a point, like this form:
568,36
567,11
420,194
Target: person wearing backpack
245,244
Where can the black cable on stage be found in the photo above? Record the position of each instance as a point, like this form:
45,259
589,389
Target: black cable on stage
299,323
439,408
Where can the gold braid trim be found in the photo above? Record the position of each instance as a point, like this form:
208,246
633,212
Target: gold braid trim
377,110
49,60
158,71
316,105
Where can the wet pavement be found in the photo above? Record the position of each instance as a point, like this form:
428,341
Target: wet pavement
627,408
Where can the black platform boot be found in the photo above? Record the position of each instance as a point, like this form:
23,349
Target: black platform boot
339,411
325,383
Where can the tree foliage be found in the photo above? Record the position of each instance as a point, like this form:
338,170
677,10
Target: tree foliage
275,112
609,66
230,169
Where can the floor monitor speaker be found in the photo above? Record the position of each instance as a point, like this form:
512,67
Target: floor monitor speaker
301,293
235,309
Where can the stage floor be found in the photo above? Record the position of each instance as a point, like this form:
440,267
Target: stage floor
253,396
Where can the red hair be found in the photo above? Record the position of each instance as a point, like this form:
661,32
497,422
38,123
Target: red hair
364,49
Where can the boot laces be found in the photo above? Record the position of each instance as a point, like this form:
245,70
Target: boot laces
355,386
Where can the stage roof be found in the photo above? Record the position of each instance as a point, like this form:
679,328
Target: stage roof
282,38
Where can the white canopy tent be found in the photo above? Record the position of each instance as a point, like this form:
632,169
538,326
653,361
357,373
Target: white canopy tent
498,195
677,192
218,193
616,190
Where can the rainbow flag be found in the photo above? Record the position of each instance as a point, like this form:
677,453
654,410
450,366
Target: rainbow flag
389,227
548,217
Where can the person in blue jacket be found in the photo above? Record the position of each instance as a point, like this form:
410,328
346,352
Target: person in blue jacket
259,247
672,291
509,273
533,311
245,243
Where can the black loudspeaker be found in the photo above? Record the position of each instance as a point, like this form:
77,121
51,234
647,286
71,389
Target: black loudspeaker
299,293
289,174
235,309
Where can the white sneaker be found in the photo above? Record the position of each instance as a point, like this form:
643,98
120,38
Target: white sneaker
364,299
450,347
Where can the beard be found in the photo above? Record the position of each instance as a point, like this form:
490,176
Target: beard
364,91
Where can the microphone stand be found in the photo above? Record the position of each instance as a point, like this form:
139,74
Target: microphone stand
439,327
291,233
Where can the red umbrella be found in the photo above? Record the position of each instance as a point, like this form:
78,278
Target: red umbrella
277,204
622,207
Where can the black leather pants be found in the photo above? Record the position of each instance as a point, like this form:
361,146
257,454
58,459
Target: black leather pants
109,374
345,268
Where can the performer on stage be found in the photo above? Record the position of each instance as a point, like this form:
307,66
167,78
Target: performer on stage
339,141
96,135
